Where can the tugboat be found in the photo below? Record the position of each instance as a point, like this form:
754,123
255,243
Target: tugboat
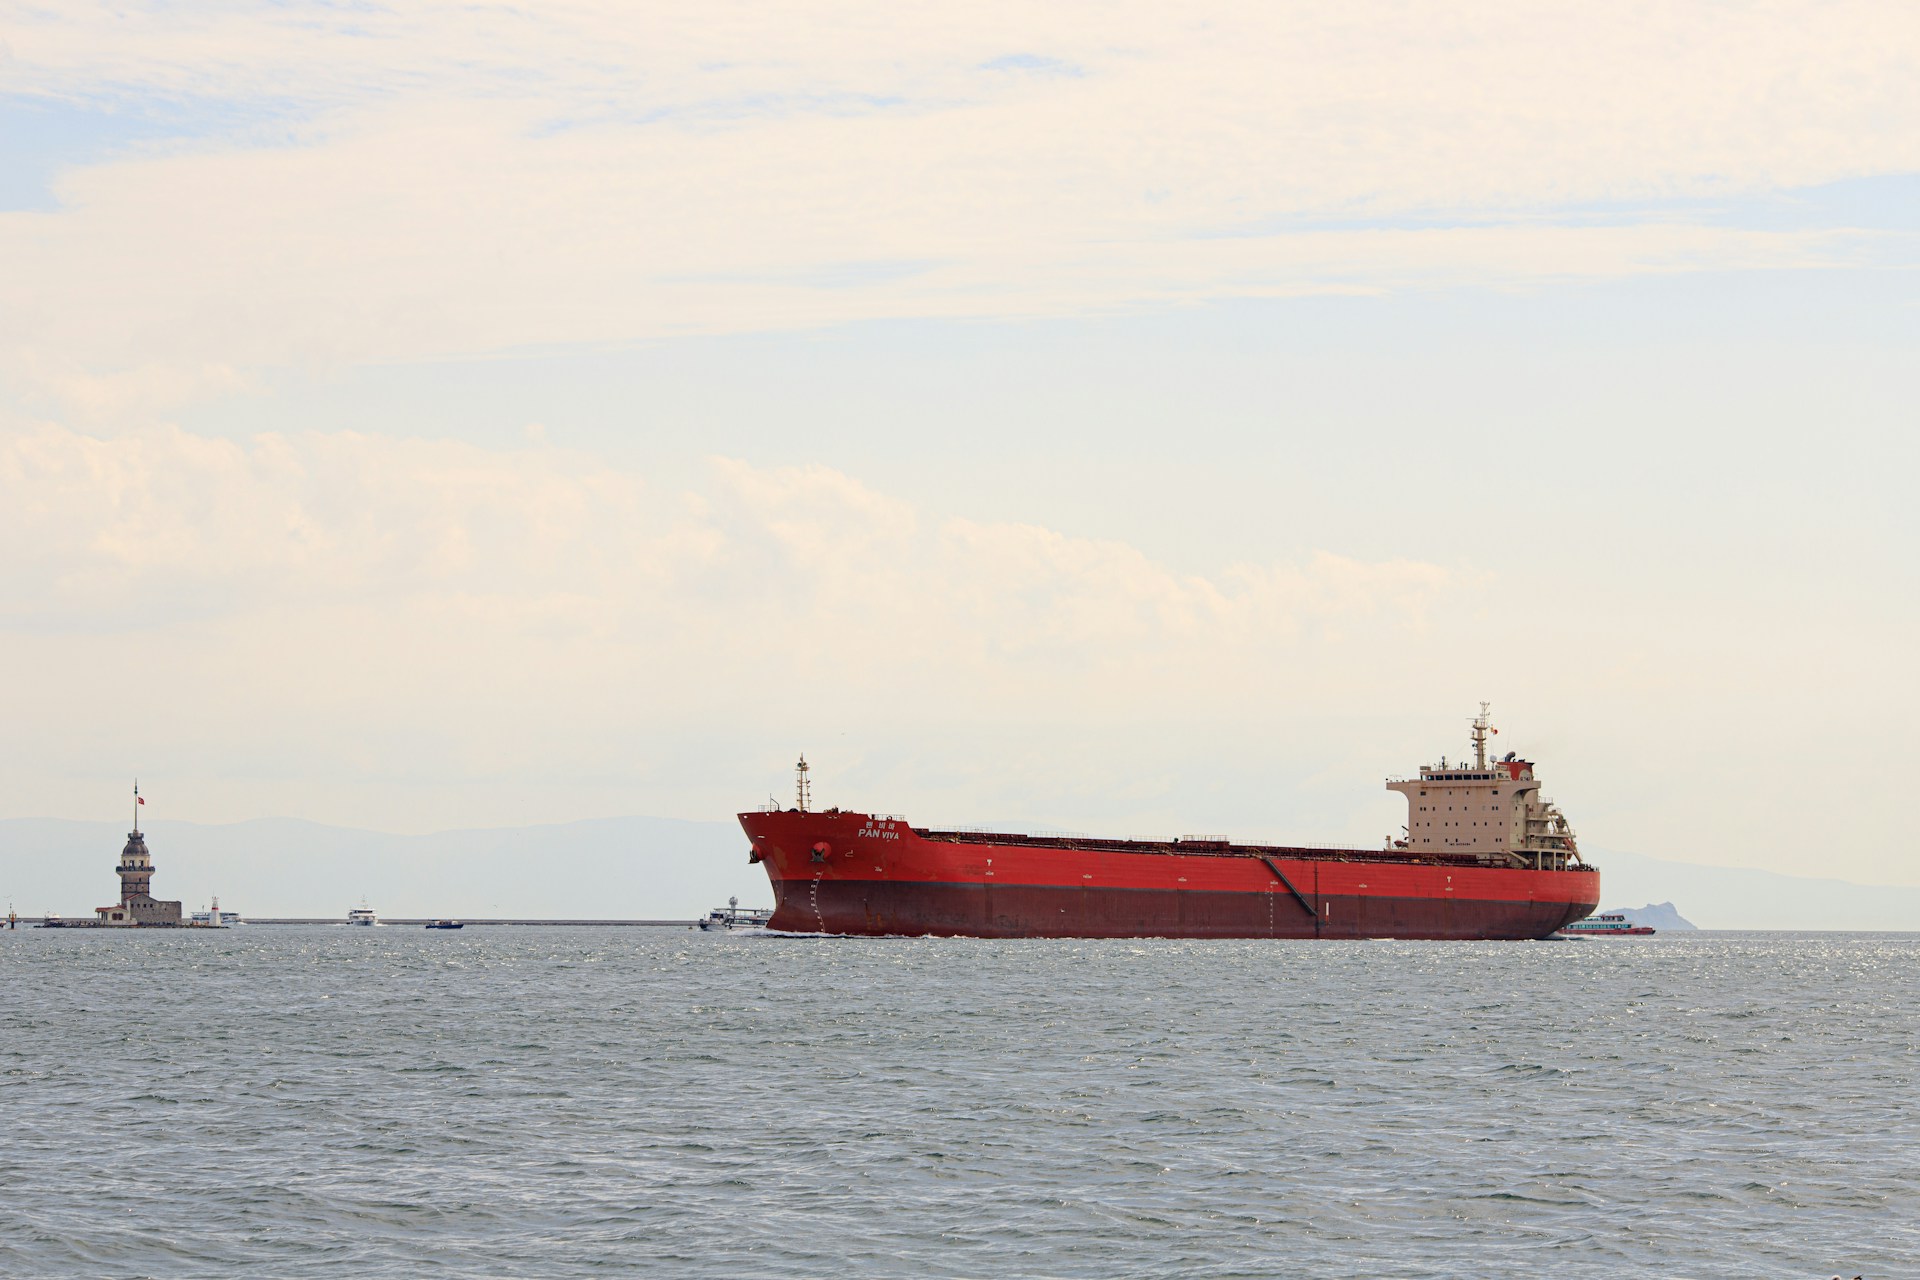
1607,926
732,917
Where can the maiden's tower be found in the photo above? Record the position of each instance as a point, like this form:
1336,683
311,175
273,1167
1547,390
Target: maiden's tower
137,905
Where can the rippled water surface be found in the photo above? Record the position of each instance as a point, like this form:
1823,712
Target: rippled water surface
277,1101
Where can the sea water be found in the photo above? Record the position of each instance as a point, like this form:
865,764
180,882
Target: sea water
283,1101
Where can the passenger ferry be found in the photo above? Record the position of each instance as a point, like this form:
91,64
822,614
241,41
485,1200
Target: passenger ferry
732,917
362,914
214,918
1608,926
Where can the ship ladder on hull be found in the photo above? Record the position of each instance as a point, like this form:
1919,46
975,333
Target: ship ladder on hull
1297,895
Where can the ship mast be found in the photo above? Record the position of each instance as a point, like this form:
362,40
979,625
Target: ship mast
1481,727
803,791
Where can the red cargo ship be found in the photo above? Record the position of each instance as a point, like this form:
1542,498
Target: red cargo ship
1484,856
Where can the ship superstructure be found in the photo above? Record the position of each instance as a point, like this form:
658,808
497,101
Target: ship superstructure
1491,810
1484,856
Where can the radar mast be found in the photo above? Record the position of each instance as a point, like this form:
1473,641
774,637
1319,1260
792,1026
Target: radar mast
803,791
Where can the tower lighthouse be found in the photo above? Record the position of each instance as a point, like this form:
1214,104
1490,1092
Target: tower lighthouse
137,905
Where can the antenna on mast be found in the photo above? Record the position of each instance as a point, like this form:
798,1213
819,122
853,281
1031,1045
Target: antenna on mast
804,792
136,806
1481,727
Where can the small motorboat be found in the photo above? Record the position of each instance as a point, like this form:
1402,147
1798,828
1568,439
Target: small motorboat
445,924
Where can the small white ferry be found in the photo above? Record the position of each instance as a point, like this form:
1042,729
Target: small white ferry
1606,926
214,918
362,914
732,917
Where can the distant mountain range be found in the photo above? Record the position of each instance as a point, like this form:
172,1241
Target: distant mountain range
630,868
1745,898
1656,915
611,868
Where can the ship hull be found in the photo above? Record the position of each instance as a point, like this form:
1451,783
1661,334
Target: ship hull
844,873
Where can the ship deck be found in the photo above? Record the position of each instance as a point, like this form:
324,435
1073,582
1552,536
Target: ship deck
1201,847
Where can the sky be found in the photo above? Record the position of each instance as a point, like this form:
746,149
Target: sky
1103,417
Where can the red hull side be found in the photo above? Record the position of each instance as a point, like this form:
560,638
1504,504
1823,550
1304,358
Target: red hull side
857,874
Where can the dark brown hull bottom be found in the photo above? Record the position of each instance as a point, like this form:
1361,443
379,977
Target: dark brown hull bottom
882,908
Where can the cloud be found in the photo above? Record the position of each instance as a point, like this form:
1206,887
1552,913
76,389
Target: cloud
424,631
137,392
1032,64
460,179
430,633
765,577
